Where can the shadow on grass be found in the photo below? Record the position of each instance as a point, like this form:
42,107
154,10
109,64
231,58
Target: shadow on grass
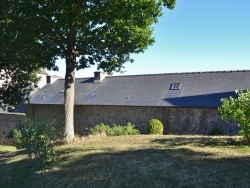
146,167
201,141
15,169
151,168
6,155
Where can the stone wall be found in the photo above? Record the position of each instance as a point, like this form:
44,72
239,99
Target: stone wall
175,120
8,123
45,112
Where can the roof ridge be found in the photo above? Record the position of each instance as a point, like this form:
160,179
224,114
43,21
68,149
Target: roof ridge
83,77
176,73
181,73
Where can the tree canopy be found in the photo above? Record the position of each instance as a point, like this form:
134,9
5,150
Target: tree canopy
101,32
21,58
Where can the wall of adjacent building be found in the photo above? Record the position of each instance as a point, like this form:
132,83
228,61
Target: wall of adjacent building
175,120
8,122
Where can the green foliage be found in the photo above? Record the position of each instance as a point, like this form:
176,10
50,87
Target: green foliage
115,130
91,32
100,128
215,132
37,137
155,126
21,56
238,109
17,87
84,33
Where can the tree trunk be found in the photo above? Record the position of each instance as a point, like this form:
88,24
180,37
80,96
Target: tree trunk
69,95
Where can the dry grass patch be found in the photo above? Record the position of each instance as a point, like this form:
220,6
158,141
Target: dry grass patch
4,148
136,161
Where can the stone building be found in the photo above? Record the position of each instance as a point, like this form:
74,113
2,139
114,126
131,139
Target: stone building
8,120
45,78
186,103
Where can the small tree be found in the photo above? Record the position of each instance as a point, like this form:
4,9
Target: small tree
38,137
238,109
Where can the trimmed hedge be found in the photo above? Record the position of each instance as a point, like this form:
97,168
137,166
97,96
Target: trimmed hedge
155,126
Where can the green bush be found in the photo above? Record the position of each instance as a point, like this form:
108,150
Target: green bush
100,128
155,126
37,137
215,132
115,130
238,109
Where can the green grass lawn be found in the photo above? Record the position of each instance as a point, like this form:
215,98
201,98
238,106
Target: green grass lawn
7,148
135,161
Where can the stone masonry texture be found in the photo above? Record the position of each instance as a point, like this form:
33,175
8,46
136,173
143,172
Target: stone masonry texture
175,120
8,122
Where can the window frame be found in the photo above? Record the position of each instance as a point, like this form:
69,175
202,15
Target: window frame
175,86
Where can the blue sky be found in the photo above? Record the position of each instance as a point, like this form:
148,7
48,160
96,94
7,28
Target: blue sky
198,35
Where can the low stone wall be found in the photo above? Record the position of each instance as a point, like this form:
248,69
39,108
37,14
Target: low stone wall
175,120
8,122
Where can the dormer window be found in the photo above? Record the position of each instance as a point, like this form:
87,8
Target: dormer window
175,86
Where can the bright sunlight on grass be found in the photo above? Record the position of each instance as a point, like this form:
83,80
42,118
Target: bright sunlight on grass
135,161
7,148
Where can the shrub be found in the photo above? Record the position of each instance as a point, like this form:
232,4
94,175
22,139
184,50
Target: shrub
215,132
37,137
100,128
115,130
238,109
155,126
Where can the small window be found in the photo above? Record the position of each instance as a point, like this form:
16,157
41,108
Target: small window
48,79
175,86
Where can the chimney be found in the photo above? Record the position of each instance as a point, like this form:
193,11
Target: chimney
48,79
99,76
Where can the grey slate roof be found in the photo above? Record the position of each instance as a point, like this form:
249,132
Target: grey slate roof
199,89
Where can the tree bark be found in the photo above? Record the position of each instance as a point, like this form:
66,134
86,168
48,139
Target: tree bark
69,95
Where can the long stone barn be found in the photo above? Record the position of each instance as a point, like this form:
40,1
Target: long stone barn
186,103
